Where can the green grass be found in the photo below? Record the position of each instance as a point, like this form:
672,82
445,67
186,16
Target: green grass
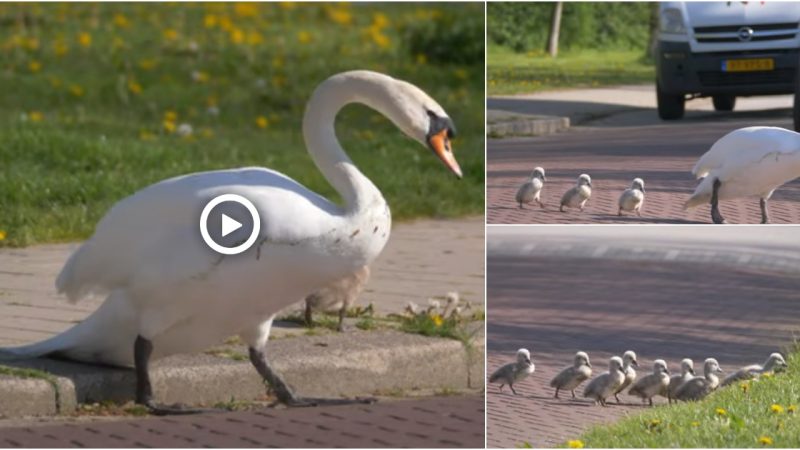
746,416
92,96
518,73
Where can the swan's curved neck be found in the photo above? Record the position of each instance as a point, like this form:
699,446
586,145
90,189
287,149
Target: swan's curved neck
331,96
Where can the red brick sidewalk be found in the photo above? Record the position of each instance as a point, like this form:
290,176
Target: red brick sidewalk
557,306
456,422
662,155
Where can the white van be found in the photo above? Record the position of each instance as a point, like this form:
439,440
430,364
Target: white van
724,50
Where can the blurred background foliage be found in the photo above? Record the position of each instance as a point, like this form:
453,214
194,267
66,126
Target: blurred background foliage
98,100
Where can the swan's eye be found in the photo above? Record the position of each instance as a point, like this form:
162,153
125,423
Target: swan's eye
438,124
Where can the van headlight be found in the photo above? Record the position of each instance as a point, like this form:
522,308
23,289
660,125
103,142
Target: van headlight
671,21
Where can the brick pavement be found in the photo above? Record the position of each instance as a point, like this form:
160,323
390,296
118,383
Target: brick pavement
440,422
663,155
423,259
556,306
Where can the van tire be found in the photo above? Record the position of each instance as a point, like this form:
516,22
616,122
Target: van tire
670,106
724,102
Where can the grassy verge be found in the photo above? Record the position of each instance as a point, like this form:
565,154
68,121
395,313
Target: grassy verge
100,100
763,413
517,73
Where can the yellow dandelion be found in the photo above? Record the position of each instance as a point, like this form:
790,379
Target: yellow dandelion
85,39
695,424
34,66
35,116
575,444
287,5
76,90
249,9
655,422
32,43
277,62
745,385
767,375
146,135
422,59
210,21
147,64
2,235
225,23
721,412
134,87
340,16
262,122
170,115
170,34
206,133
438,321
304,37
121,21
380,20
54,81
791,409
169,126
254,38
765,440
211,101
237,36
776,408
60,48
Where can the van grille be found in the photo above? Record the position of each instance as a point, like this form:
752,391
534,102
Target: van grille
760,33
716,78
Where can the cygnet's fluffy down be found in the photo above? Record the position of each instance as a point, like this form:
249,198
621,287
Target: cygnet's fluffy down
572,376
338,296
604,385
514,372
531,190
632,198
675,381
578,195
699,387
653,384
628,363
774,363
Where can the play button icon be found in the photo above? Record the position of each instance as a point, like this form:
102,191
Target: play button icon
230,224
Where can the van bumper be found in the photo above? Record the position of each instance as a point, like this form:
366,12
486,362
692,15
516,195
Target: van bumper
679,71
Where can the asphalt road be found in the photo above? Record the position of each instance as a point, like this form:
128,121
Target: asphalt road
555,305
616,148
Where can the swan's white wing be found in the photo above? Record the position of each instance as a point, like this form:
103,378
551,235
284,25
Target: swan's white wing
139,233
745,147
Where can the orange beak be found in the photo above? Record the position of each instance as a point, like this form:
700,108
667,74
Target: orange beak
440,144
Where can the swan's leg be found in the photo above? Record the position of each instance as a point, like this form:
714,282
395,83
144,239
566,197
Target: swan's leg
257,340
715,214
616,396
561,208
308,315
764,213
511,385
556,396
142,349
520,205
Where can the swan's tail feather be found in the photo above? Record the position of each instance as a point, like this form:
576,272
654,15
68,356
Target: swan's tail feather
697,199
37,350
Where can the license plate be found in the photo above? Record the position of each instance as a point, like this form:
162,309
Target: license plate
748,65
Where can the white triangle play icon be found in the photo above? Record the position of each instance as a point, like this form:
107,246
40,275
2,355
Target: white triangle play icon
229,225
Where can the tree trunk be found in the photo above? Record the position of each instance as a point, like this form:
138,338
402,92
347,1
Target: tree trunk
555,27
653,42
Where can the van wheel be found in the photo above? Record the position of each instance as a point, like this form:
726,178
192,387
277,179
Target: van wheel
724,102
670,106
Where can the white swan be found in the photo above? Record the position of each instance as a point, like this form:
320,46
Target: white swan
632,198
514,372
532,189
751,161
338,296
168,293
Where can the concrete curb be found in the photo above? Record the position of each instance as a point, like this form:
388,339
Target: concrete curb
502,124
750,258
335,365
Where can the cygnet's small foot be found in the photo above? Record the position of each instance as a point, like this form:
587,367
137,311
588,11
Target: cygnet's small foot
303,402
177,409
